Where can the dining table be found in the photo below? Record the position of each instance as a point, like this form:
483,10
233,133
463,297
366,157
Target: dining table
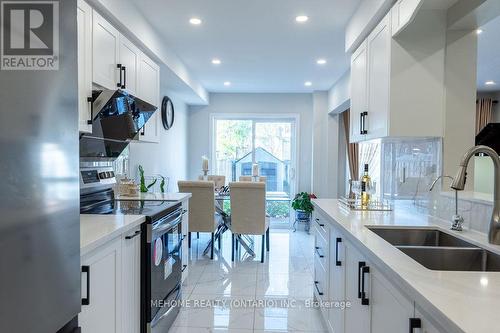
225,219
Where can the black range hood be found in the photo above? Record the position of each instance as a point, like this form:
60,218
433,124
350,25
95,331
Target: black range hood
490,136
117,118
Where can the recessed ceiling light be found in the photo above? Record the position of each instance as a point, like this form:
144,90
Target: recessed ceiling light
321,61
195,21
301,18
227,83
308,83
490,83
216,61
479,31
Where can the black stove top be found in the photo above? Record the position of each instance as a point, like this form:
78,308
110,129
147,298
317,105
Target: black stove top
103,202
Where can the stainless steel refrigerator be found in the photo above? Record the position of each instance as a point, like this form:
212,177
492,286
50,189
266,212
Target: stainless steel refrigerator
39,194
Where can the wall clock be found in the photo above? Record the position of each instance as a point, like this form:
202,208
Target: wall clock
167,113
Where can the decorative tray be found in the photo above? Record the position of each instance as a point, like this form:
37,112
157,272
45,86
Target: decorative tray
374,205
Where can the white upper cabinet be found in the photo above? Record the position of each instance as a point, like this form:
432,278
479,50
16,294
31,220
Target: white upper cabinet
359,103
129,62
397,85
84,21
105,50
149,90
378,43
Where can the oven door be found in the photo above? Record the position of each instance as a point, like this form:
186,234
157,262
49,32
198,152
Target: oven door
166,267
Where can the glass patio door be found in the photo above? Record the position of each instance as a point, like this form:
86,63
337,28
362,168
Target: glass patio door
239,143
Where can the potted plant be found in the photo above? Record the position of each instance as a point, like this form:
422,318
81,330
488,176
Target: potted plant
303,206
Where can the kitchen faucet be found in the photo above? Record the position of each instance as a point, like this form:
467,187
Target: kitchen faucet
459,185
457,219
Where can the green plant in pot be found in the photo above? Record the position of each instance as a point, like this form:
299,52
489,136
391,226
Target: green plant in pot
303,206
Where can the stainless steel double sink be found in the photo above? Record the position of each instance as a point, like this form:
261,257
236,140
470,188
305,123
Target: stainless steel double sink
438,250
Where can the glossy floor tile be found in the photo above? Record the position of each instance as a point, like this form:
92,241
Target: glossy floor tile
247,295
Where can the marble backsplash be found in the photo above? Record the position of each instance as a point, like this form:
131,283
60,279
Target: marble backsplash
475,208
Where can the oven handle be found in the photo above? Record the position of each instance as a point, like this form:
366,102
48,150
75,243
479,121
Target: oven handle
170,224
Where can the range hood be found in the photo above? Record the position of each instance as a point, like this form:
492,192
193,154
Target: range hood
490,136
117,118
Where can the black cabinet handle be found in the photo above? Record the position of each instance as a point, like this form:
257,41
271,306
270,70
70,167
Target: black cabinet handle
89,100
364,299
184,267
124,69
137,233
317,289
363,123
361,264
415,323
86,299
316,248
337,261
143,132
119,84
321,225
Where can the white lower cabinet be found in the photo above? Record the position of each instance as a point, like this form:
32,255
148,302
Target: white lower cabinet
113,291
131,281
185,247
102,287
376,305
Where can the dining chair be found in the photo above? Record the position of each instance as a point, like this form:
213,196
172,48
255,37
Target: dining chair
248,212
219,180
202,216
250,179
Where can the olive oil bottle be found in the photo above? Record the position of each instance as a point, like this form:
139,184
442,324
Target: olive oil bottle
365,187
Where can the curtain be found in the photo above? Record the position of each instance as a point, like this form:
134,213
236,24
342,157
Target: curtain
484,107
352,148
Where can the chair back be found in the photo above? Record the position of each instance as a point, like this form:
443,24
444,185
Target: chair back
201,205
250,179
248,208
220,181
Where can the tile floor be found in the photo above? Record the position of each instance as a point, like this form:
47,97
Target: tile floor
248,296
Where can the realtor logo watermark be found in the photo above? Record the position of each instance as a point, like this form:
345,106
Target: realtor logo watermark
29,35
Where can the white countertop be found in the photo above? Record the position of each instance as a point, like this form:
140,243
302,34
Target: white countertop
156,196
96,230
459,301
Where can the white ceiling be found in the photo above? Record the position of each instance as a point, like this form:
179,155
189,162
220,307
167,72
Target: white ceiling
261,47
488,64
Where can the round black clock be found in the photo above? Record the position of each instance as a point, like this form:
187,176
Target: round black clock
167,113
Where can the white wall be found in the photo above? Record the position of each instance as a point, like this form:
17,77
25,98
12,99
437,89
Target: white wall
339,95
300,104
169,156
320,145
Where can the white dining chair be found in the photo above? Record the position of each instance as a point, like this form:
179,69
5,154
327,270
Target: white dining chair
250,179
219,180
202,216
248,212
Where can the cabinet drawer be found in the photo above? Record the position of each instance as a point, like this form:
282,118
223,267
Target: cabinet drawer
321,251
320,281
321,226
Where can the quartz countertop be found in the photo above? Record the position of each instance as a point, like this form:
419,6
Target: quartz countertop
96,230
156,196
458,301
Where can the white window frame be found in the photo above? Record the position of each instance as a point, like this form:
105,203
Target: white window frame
276,117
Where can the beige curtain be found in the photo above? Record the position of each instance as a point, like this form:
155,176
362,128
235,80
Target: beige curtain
484,107
352,148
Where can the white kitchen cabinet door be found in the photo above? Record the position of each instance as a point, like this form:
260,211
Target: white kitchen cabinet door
185,247
357,317
149,90
103,314
337,280
105,50
131,281
84,21
386,302
129,61
358,92
379,57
